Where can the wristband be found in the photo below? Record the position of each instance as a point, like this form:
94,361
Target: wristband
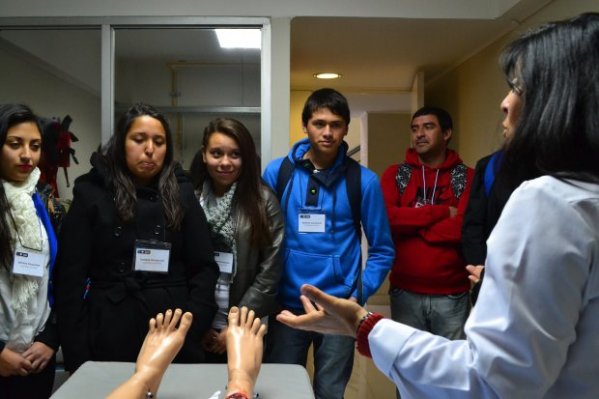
237,395
367,315
366,325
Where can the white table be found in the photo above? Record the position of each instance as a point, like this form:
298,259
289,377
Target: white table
182,381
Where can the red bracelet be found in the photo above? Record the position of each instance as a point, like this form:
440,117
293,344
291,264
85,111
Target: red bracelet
237,395
366,325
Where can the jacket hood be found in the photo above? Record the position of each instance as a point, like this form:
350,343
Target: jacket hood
300,148
451,159
100,169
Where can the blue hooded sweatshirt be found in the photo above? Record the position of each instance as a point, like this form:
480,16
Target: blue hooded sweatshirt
330,260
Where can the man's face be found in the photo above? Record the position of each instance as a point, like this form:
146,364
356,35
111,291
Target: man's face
325,131
427,138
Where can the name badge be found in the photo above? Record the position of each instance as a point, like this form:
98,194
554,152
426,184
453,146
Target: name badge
224,261
311,222
29,262
151,256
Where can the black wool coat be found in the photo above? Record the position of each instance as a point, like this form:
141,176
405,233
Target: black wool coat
102,304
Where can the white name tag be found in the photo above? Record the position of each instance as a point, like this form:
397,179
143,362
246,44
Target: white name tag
311,222
224,261
29,262
151,260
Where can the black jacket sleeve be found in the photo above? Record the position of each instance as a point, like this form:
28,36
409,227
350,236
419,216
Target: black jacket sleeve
50,334
474,236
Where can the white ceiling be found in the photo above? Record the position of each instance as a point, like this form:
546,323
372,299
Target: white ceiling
380,57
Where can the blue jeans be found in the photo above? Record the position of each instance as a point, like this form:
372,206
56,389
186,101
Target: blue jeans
333,356
443,315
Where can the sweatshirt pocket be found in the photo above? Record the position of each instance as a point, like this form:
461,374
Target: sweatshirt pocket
322,271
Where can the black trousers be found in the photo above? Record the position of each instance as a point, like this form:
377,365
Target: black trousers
33,386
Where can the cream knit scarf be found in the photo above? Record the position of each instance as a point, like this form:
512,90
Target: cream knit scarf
25,228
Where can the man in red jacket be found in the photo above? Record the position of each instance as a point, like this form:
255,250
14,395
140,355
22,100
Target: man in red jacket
425,198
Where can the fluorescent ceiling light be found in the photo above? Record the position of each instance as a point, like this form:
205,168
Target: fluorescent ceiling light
239,38
327,75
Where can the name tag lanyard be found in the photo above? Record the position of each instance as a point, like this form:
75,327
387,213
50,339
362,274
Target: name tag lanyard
225,259
432,199
311,218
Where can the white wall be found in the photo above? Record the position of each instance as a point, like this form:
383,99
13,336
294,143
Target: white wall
50,96
215,86
208,85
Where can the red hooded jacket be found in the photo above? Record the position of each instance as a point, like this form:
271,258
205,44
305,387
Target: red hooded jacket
428,257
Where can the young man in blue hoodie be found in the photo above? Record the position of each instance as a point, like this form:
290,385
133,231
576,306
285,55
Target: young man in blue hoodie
322,237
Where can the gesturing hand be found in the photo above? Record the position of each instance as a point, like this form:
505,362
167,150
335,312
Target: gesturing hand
330,315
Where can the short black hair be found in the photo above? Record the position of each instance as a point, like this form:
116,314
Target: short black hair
327,98
442,116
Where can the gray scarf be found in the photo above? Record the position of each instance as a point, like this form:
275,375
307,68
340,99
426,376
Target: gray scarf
219,214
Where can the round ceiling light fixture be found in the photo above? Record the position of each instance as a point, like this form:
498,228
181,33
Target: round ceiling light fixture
327,75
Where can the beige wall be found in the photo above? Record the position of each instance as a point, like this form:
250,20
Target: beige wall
472,92
388,139
297,100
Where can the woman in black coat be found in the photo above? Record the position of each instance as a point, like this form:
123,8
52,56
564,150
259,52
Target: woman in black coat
134,243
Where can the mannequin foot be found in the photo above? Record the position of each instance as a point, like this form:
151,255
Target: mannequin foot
245,342
162,343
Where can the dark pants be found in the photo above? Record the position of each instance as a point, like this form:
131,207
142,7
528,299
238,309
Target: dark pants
216,358
33,386
333,356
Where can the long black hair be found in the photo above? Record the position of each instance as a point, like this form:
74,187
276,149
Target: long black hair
556,71
10,115
247,196
122,180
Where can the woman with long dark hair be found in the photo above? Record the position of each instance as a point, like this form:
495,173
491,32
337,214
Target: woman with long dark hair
533,332
134,243
28,335
245,223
